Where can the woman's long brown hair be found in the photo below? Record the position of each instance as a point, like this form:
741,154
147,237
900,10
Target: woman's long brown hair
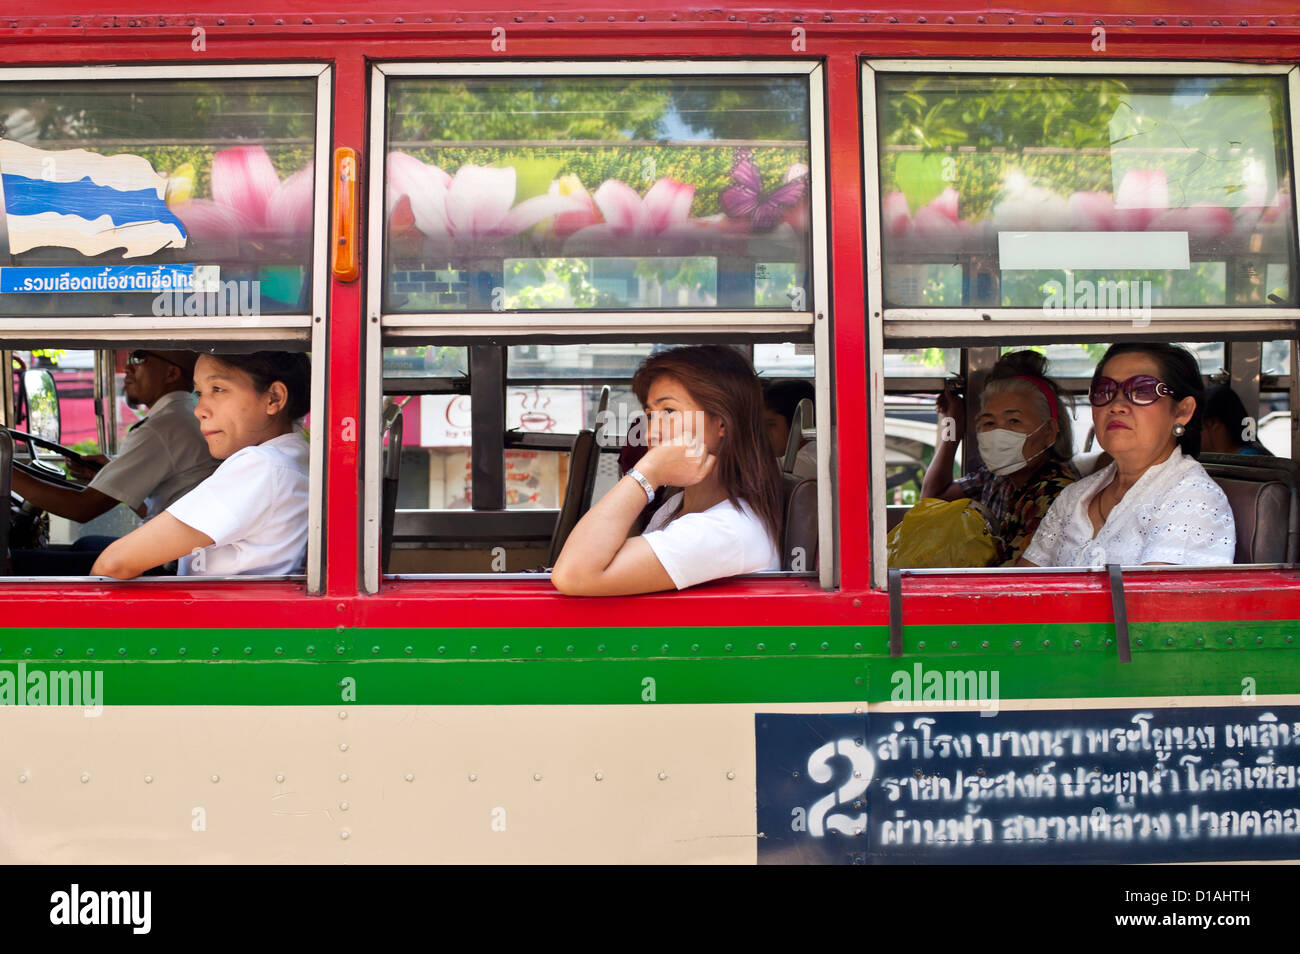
723,384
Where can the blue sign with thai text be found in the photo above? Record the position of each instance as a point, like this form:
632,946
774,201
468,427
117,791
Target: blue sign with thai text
104,278
1030,786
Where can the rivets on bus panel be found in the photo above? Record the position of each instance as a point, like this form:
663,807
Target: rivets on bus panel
343,776
153,650
442,650
22,779
374,650
339,649
984,644
794,647
1017,644
1169,640
27,651
953,644
537,776
279,650
182,651
663,776
636,648
663,650
473,650
1259,640
343,715
826,647
58,651
1229,640
216,650
148,779
1078,643
1200,640
920,647
473,777
567,649
279,779
340,628
410,776
1139,642
505,650
731,776
85,778
857,647
762,647
121,650
343,746
1290,639
248,650
1047,644
538,650
600,776
857,604
600,648
857,680
344,806
727,647
216,779
409,650
345,834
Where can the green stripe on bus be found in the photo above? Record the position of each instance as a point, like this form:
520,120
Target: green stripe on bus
594,667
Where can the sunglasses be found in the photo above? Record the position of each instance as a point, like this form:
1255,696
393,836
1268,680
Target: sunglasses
137,358
1140,389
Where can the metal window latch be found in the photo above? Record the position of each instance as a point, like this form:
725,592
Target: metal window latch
1120,611
895,579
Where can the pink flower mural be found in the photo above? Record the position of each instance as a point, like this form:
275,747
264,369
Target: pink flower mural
249,199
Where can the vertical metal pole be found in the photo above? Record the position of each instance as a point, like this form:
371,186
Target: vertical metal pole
487,375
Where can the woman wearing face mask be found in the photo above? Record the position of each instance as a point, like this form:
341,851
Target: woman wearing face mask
1025,443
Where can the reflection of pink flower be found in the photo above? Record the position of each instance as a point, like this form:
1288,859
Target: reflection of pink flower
566,223
248,198
477,203
938,222
666,206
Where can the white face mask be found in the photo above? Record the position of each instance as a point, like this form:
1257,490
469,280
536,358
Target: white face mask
1003,451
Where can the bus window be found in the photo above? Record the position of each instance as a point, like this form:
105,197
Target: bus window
222,173
538,224
1084,193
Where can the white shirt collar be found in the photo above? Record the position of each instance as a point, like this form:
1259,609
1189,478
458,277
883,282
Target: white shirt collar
171,397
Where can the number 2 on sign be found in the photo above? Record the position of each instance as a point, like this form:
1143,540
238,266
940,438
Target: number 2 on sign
819,769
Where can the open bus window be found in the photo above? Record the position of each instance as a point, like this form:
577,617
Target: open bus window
1254,472
469,495
519,194
158,197
1083,194
71,503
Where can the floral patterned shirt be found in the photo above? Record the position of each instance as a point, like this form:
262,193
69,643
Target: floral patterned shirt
1018,511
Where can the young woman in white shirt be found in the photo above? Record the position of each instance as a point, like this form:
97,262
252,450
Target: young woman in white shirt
704,410
250,516
1155,504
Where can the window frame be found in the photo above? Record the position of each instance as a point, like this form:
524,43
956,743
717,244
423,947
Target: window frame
575,327
968,327
309,329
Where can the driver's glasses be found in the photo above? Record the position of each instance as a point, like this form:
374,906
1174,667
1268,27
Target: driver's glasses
137,358
1140,389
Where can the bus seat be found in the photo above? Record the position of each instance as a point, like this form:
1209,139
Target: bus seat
582,474
1262,492
802,428
6,485
593,461
799,530
392,468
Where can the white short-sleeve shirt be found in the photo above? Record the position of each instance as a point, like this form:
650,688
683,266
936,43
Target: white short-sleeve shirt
163,457
255,510
1175,513
719,542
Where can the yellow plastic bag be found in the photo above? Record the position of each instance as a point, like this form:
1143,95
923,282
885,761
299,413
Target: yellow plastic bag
938,533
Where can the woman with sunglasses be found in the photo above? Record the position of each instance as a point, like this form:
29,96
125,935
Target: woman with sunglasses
1155,503
250,516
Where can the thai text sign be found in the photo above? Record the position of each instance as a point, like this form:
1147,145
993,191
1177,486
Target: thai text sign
1032,786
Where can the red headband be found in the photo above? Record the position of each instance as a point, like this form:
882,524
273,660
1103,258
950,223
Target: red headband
1045,388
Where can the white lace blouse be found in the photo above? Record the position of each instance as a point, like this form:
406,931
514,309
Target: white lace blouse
1175,513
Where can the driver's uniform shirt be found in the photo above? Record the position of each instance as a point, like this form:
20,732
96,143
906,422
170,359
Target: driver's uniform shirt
163,457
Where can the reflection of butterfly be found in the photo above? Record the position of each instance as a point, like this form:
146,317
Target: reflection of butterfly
747,198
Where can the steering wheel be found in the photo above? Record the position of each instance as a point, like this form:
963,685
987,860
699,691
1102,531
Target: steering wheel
26,526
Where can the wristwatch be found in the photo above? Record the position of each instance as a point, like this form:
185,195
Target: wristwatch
645,484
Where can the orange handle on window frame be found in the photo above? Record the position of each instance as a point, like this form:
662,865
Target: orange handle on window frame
345,256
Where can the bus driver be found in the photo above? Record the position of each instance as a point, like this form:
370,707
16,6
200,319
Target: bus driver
163,457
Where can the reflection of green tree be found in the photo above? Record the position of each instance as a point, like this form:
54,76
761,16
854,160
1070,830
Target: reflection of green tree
555,283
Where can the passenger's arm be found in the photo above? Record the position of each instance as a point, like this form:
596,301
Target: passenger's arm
74,503
161,540
938,480
598,558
